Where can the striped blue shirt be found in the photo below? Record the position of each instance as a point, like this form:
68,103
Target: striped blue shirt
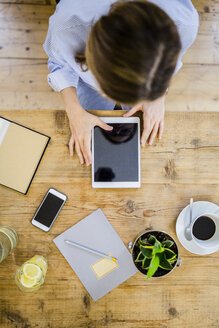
71,23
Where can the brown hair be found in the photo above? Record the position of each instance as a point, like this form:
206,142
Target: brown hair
132,51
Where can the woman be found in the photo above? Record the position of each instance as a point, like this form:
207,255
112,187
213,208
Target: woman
103,53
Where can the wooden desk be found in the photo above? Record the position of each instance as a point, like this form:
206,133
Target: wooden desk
184,164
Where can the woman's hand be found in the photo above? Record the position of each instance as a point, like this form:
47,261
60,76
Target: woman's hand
153,114
81,125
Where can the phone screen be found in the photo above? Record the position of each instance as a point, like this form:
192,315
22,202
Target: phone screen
49,209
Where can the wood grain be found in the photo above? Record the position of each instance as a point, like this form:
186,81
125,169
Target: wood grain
183,165
209,6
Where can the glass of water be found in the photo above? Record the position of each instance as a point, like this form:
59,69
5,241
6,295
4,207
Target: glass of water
8,241
31,275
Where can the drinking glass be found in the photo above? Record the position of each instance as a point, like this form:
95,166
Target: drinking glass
31,275
8,241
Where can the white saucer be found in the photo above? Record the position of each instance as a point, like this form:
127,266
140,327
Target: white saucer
183,221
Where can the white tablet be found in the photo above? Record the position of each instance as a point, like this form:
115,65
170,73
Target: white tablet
116,154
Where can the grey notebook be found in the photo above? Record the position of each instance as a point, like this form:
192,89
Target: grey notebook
98,275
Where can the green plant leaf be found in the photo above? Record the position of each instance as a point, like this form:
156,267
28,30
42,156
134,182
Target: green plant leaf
167,243
147,252
173,260
153,266
147,246
152,240
140,257
141,242
157,247
169,254
146,263
164,263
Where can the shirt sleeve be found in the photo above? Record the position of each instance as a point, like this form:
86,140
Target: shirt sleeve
61,74
188,33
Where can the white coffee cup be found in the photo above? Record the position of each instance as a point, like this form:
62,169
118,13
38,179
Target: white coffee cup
212,242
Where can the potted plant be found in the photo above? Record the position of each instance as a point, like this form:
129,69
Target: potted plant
155,253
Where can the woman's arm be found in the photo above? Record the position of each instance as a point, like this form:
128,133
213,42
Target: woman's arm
64,79
153,114
81,125
61,75
70,98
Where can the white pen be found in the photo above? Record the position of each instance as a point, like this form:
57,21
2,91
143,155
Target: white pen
88,249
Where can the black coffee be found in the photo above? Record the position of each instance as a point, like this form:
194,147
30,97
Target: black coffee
203,228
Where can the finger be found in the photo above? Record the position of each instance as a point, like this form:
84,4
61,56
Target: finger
161,127
104,126
81,142
87,150
79,153
86,160
153,134
133,111
71,145
146,132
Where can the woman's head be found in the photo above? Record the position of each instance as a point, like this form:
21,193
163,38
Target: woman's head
133,51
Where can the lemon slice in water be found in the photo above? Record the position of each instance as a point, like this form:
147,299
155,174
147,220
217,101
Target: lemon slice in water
27,282
40,261
32,271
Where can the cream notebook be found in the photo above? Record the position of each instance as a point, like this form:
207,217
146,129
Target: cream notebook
21,150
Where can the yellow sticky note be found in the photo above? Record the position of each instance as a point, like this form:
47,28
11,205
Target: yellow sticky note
103,267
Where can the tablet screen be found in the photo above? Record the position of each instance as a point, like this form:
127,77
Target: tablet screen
116,153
